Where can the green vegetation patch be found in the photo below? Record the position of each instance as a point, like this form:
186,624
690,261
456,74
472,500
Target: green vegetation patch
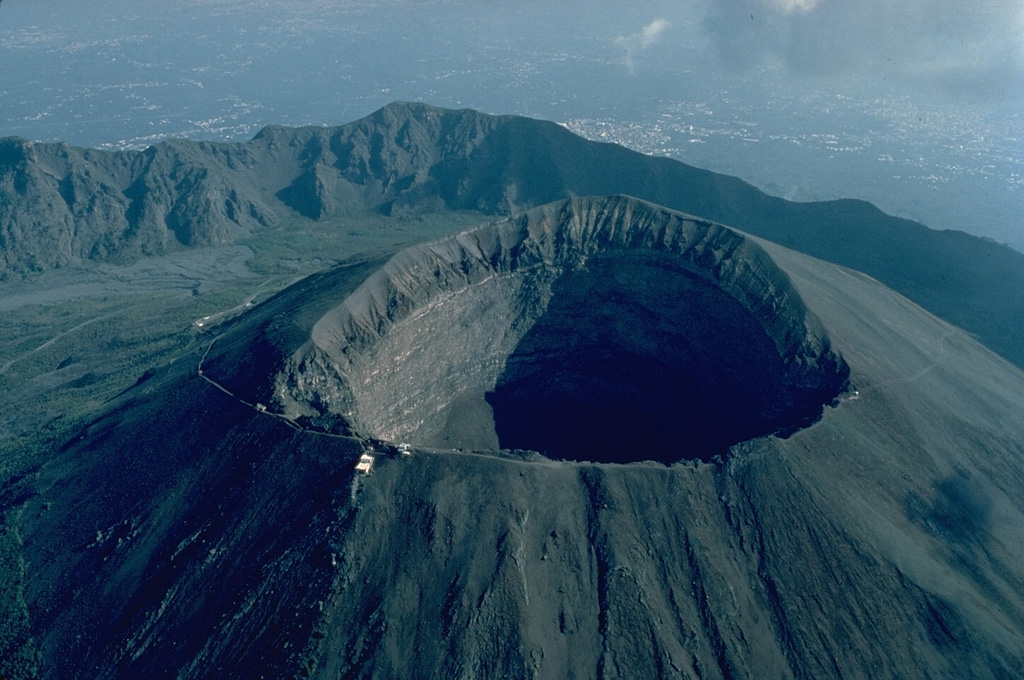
19,657
305,246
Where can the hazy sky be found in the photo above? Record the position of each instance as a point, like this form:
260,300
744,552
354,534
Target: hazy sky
973,49
957,49
931,91
961,48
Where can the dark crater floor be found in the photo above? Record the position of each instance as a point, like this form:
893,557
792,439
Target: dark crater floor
596,330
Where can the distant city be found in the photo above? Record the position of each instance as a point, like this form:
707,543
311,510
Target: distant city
221,71
949,169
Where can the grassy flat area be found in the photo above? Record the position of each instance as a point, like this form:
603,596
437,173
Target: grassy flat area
82,336
307,246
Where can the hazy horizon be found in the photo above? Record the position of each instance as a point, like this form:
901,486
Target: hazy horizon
915,106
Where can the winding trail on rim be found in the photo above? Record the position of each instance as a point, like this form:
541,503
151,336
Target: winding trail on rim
298,428
287,421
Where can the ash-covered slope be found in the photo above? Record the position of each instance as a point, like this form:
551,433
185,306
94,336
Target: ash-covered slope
59,204
188,532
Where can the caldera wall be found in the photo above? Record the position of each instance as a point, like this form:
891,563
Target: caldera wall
595,329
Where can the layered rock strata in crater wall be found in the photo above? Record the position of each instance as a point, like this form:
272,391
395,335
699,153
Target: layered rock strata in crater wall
600,329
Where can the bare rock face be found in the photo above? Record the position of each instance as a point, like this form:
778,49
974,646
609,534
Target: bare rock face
61,205
594,329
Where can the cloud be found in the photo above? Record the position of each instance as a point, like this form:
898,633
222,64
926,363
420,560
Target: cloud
790,6
635,43
972,48
652,32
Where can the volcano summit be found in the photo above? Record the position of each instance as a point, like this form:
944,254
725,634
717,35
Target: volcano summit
878,536
837,488
593,329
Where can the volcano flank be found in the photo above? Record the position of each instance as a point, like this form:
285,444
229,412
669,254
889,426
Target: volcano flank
592,329
735,461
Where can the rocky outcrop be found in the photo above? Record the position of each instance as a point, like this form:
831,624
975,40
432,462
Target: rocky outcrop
523,333
61,205
195,194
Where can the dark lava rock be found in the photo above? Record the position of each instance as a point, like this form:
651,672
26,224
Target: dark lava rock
595,329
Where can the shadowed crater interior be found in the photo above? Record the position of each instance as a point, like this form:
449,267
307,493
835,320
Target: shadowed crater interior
599,329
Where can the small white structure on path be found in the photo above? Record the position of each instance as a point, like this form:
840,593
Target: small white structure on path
365,464
405,449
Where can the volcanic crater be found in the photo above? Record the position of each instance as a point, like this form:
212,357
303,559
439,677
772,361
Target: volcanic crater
594,329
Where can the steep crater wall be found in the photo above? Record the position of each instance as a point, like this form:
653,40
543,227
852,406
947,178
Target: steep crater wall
602,329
